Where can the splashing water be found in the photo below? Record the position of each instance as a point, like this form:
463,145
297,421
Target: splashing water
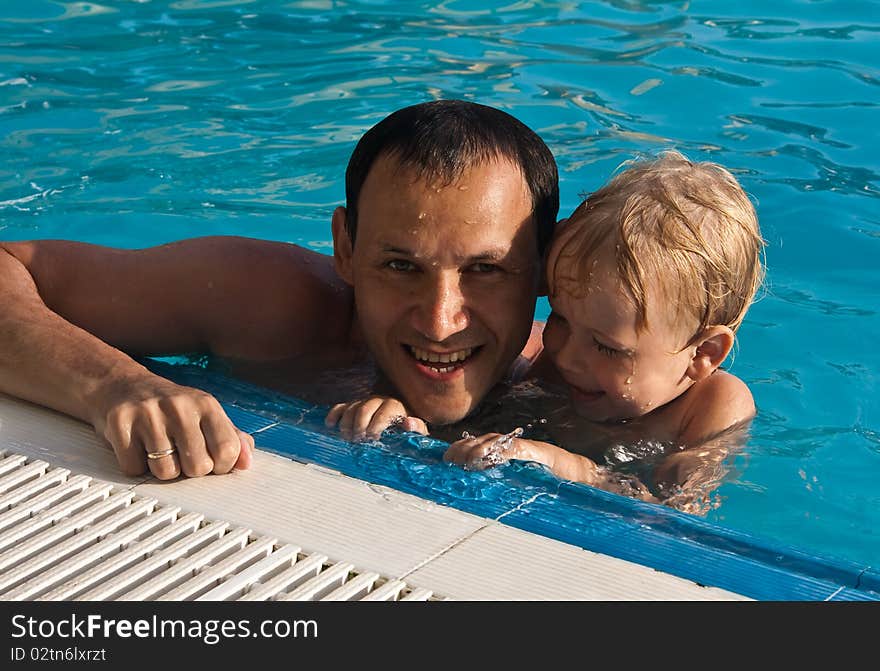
499,446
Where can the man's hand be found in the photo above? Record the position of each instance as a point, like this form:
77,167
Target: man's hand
170,429
367,419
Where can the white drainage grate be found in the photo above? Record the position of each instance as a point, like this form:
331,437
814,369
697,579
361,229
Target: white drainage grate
70,537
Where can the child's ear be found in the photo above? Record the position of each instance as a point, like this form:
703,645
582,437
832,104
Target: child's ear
342,247
712,348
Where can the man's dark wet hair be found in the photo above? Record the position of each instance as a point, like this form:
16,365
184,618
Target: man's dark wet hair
442,138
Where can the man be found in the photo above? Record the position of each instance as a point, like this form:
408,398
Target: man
436,268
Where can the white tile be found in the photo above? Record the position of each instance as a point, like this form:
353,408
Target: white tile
40,433
502,563
374,527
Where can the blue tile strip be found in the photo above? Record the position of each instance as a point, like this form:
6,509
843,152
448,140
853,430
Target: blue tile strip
528,497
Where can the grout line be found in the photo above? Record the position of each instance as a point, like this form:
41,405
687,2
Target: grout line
253,433
454,544
520,505
448,548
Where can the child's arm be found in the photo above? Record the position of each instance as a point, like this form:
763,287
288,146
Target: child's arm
715,424
368,418
492,449
686,478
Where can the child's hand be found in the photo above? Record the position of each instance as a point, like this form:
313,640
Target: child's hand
367,419
476,453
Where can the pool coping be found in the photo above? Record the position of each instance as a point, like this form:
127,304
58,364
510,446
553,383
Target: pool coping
647,534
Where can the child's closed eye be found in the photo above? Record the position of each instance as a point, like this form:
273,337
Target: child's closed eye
605,349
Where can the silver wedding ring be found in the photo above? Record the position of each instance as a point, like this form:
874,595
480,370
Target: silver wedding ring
163,453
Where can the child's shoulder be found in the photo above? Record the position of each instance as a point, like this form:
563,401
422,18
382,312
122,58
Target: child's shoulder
726,387
715,403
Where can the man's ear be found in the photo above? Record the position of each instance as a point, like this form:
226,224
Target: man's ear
342,247
712,348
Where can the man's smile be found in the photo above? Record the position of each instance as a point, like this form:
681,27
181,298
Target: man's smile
441,363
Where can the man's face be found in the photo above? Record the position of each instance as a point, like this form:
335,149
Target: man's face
445,279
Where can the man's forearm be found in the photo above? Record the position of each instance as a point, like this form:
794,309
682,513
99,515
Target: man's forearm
47,360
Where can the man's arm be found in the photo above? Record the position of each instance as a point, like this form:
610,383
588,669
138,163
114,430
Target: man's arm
70,313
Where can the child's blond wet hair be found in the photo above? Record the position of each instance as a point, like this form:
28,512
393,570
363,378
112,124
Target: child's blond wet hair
685,227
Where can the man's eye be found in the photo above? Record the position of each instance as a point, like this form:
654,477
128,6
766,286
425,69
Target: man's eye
484,268
400,265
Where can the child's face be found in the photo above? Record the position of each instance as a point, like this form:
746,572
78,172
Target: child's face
614,372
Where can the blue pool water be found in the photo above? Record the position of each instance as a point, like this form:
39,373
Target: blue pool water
136,123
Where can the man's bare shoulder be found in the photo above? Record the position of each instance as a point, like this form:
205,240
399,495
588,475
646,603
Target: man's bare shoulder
287,299
237,297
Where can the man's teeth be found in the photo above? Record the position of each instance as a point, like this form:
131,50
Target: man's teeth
447,358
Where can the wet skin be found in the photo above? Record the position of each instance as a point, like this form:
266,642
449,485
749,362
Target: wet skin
445,278
614,371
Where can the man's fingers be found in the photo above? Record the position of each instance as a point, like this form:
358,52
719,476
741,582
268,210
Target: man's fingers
415,425
131,458
389,413
367,412
246,453
335,414
149,430
171,429
346,419
222,441
161,456
356,418
369,418
187,438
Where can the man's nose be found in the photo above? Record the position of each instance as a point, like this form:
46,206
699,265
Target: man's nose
442,312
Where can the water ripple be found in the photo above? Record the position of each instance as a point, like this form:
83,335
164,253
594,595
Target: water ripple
807,300
853,180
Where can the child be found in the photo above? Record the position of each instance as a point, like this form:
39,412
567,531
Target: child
649,279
